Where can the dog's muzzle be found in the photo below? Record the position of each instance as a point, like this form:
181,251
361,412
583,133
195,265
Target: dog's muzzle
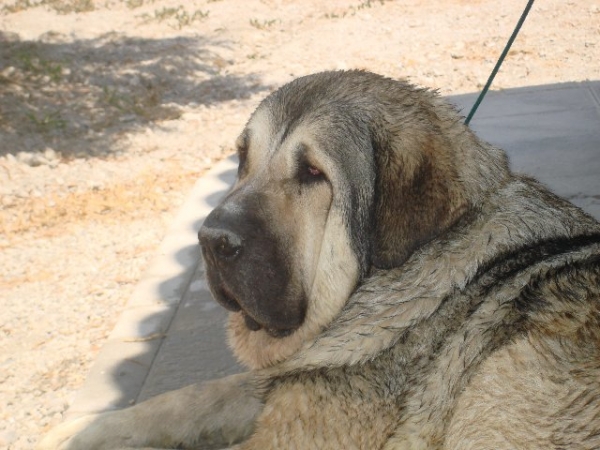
246,270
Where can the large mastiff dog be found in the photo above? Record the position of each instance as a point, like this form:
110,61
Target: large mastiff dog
392,285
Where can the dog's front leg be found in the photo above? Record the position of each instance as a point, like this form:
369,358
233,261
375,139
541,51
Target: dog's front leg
215,414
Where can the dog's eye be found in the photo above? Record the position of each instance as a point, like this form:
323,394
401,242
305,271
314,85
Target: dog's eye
308,173
313,171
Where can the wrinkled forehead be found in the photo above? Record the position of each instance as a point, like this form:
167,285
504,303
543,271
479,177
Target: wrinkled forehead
337,131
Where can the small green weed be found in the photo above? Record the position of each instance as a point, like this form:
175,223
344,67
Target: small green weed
19,5
351,11
123,102
165,13
132,4
263,24
181,17
368,3
60,6
335,15
39,67
70,6
47,122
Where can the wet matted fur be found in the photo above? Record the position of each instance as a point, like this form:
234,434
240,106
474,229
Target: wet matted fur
392,285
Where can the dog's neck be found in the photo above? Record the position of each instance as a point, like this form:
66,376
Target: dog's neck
390,301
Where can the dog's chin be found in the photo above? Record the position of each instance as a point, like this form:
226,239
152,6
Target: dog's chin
253,325
227,299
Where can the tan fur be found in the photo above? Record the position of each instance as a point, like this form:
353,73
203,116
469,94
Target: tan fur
451,303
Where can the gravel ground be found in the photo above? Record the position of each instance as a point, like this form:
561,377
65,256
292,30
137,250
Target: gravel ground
109,111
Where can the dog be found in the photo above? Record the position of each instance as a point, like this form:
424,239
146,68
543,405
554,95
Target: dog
391,285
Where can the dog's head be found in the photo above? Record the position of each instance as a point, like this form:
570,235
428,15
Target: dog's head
339,173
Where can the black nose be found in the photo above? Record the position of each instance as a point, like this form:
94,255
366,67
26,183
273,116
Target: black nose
220,243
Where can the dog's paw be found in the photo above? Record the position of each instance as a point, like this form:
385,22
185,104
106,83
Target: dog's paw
91,432
61,437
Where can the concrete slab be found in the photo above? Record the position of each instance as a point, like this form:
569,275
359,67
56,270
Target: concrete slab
172,333
549,132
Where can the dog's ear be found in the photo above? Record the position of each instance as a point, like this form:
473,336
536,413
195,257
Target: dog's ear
418,194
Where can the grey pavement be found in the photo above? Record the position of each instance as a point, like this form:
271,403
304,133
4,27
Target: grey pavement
172,333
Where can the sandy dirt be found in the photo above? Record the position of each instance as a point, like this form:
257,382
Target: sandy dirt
110,110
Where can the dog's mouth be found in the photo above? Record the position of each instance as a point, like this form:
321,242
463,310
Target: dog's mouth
228,300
